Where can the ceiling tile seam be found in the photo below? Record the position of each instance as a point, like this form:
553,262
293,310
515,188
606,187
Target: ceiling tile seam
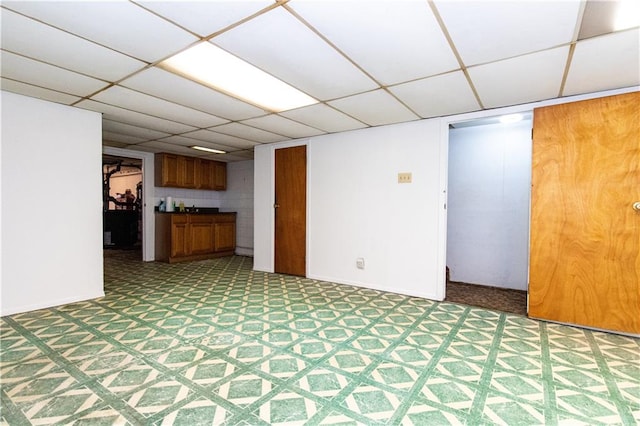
242,21
195,142
171,102
331,44
574,39
22,55
185,135
452,45
213,129
44,88
74,34
146,114
567,68
164,18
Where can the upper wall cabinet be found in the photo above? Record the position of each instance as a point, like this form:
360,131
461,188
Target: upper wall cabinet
178,171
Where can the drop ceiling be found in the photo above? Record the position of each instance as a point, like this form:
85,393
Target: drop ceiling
368,63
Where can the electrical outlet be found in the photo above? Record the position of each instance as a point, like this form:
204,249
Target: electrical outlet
404,177
360,263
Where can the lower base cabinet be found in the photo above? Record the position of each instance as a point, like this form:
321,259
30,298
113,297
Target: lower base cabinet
183,236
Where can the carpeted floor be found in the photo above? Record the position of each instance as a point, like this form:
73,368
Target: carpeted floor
499,299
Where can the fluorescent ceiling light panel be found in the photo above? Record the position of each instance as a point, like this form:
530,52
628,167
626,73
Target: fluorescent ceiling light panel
202,148
627,15
210,65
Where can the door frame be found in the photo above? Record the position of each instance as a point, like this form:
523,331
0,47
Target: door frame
444,159
266,178
148,187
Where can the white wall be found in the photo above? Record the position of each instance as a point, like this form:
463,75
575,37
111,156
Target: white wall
52,204
356,208
239,198
488,204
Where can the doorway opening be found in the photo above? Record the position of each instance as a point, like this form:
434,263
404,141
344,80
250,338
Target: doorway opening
123,201
489,182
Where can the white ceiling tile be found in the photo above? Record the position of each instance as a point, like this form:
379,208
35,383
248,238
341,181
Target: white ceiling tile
607,62
114,144
119,137
438,96
219,138
374,108
39,41
135,118
37,92
185,141
136,101
206,17
305,61
236,156
520,80
121,25
283,126
40,74
485,30
248,132
324,117
174,88
140,132
157,146
394,41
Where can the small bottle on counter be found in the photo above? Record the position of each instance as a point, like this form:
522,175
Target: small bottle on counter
162,206
181,207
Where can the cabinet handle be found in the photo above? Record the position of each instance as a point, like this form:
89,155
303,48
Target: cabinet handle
636,206
275,206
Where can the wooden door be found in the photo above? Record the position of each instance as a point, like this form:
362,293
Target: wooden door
585,234
290,210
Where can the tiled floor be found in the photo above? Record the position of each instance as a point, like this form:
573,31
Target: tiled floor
214,342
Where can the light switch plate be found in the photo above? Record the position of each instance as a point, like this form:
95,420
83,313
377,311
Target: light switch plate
404,177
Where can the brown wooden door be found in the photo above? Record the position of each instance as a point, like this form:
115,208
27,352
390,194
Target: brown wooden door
290,210
585,235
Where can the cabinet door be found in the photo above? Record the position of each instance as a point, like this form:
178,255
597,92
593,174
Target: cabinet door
202,234
220,171
179,236
225,236
187,172
166,170
206,177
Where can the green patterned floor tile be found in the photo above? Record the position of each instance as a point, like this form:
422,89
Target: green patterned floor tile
395,375
214,342
421,414
372,402
283,366
453,395
201,411
288,408
324,383
245,389
499,410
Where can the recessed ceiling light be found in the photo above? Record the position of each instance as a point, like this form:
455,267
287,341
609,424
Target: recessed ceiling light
511,118
202,148
214,67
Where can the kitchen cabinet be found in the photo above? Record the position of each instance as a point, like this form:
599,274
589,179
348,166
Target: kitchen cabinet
212,175
179,171
186,236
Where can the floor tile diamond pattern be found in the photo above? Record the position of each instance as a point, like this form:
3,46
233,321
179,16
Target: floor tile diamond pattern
214,342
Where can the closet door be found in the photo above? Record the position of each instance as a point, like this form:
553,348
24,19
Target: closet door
585,232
